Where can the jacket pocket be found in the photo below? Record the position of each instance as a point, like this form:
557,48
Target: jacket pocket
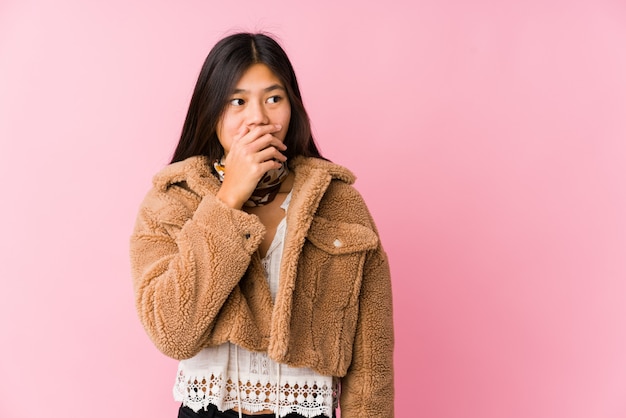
341,237
327,295
336,257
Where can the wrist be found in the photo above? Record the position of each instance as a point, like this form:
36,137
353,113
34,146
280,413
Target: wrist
229,200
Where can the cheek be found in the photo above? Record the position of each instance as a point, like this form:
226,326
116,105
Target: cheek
230,126
227,128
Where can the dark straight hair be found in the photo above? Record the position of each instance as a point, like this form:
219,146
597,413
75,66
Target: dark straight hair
222,69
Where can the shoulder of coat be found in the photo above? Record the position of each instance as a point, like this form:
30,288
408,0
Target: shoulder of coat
188,171
309,165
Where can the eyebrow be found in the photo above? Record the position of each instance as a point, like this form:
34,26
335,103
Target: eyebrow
265,90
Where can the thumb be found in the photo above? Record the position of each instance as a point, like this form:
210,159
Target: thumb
241,132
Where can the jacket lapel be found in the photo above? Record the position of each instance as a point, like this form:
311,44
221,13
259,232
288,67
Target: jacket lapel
310,184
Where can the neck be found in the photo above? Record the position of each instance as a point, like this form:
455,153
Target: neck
287,184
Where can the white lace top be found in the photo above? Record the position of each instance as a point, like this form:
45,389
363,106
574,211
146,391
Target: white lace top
216,374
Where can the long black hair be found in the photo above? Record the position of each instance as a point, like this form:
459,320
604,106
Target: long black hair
221,71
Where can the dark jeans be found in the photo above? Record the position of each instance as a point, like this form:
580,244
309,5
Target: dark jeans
212,412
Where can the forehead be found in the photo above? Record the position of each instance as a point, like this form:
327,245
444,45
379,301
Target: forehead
258,76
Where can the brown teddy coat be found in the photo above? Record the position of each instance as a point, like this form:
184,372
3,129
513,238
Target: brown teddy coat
199,281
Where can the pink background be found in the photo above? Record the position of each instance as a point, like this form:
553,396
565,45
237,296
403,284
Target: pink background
489,140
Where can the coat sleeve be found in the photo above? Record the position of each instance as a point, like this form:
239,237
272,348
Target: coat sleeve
185,265
367,390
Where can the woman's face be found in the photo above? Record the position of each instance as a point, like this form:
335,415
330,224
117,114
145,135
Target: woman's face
259,98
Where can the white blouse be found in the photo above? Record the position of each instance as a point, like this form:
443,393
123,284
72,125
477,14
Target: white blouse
229,376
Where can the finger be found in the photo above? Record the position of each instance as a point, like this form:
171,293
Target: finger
266,141
271,153
269,165
258,132
243,130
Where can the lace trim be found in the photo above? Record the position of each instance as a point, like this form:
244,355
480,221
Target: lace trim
305,399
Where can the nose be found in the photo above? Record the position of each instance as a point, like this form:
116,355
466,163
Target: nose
256,114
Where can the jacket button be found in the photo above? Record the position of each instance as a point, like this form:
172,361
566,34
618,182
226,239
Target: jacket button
337,243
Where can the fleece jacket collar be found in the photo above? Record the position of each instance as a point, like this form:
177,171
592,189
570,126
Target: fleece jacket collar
197,173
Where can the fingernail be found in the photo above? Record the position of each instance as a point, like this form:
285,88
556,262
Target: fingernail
278,127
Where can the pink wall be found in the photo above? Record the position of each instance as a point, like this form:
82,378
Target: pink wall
488,139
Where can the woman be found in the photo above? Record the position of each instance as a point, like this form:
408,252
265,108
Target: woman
255,262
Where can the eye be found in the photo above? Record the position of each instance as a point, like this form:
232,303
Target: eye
274,99
236,102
